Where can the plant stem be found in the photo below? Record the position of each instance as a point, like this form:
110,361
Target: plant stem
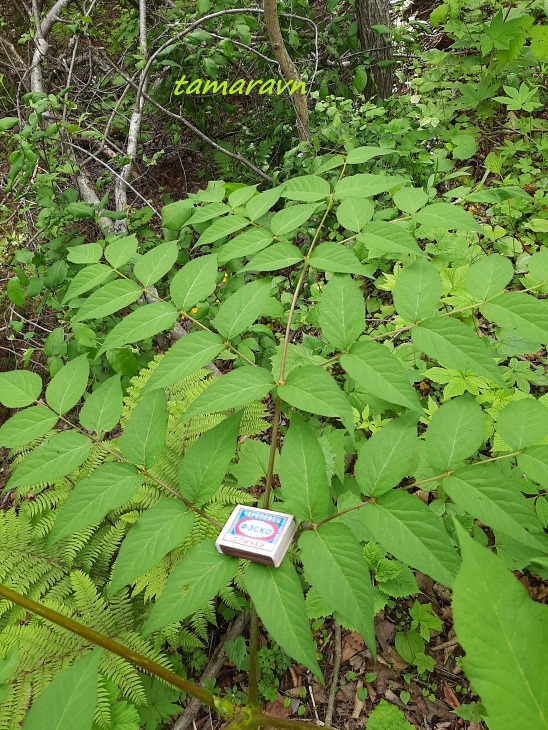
94,637
253,692
272,455
264,720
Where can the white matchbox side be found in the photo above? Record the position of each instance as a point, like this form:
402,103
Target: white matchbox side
260,535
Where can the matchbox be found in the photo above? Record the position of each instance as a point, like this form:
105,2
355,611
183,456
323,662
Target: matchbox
257,534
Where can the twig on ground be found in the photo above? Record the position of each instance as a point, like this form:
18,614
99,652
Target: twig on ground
335,680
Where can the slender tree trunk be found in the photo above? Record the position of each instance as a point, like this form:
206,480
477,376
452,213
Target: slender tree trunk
287,66
368,14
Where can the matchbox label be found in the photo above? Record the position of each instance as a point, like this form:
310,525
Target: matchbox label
255,529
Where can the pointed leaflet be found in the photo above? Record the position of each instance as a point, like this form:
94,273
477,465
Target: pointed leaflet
455,345
363,154
55,458
365,186
207,213
334,565
241,195
519,312
145,432
278,598
275,257
119,252
222,228
405,527
506,660
289,219
387,457
102,409
87,279
157,531
68,702
27,425
489,276
455,432
378,372
448,217
68,385
19,388
417,291
355,213
245,244
337,258
156,263
312,389
185,357
196,579
110,486
485,494
235,389
307,189
194,282
205,464
260,204
109,299
87,253
242,308
144,322
534,463
175,215
305,488
410,199
523,423
342,312
383,238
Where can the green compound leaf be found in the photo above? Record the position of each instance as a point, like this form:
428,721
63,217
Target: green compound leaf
27,425
365,186
523,423
156,263
387,457
456,431
69,701
336,258
55,458
489,276
334,564
240,196
237,388
377,371
261,203
87,253
341,312
241,309
312,389
278,598
521,313
306,189
119,252
448,217
355,213
19,388
194,282
405,527
145,432
102,409
289,219
382,239
110,486
87,279
205,464
456,346
145,322
359,155
245,244
505,660
109,299
157,531
68,385
409,200
302,473
196,579
185,357
417,291
483,493
278,256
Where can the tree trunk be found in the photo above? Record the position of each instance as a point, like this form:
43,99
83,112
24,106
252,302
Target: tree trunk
369,13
